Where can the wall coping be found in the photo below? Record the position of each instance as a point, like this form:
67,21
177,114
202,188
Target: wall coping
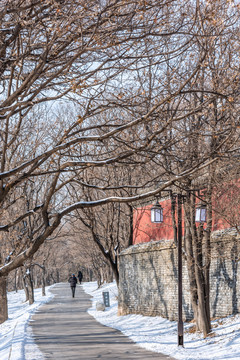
225,235
148,247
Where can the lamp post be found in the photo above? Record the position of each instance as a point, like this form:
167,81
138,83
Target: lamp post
179,247
157,217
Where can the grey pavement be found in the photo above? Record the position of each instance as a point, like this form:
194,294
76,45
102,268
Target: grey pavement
63,330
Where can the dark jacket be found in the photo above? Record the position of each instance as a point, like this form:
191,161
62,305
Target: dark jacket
73,281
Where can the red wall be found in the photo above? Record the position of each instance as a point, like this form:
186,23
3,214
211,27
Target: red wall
225,201
144,230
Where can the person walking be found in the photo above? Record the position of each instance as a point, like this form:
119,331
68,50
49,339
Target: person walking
73,282
80,276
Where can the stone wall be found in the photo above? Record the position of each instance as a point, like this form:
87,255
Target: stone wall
148,279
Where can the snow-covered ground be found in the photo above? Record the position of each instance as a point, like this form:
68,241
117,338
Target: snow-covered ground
16,342
153,333
160,335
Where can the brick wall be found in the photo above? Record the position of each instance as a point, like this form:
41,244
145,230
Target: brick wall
148,279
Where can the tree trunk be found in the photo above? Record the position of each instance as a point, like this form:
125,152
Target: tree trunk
207,252
188,242
58,276
191,271
53,280
116,273
25,287
90,275
30,287
198,269
202,314
48,278
43,281
99,278
3,299
16,280
130,239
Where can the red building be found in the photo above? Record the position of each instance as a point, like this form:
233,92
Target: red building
225,201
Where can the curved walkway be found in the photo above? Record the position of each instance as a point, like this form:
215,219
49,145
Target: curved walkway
63,330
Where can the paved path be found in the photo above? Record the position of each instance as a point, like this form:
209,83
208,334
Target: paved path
63,330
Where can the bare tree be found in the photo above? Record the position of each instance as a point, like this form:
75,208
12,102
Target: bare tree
94,55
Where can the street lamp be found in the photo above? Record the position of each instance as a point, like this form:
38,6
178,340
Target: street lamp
157,216
201,213
157,213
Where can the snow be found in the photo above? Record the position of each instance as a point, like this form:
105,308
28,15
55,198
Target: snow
16,342
160,335
153,333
